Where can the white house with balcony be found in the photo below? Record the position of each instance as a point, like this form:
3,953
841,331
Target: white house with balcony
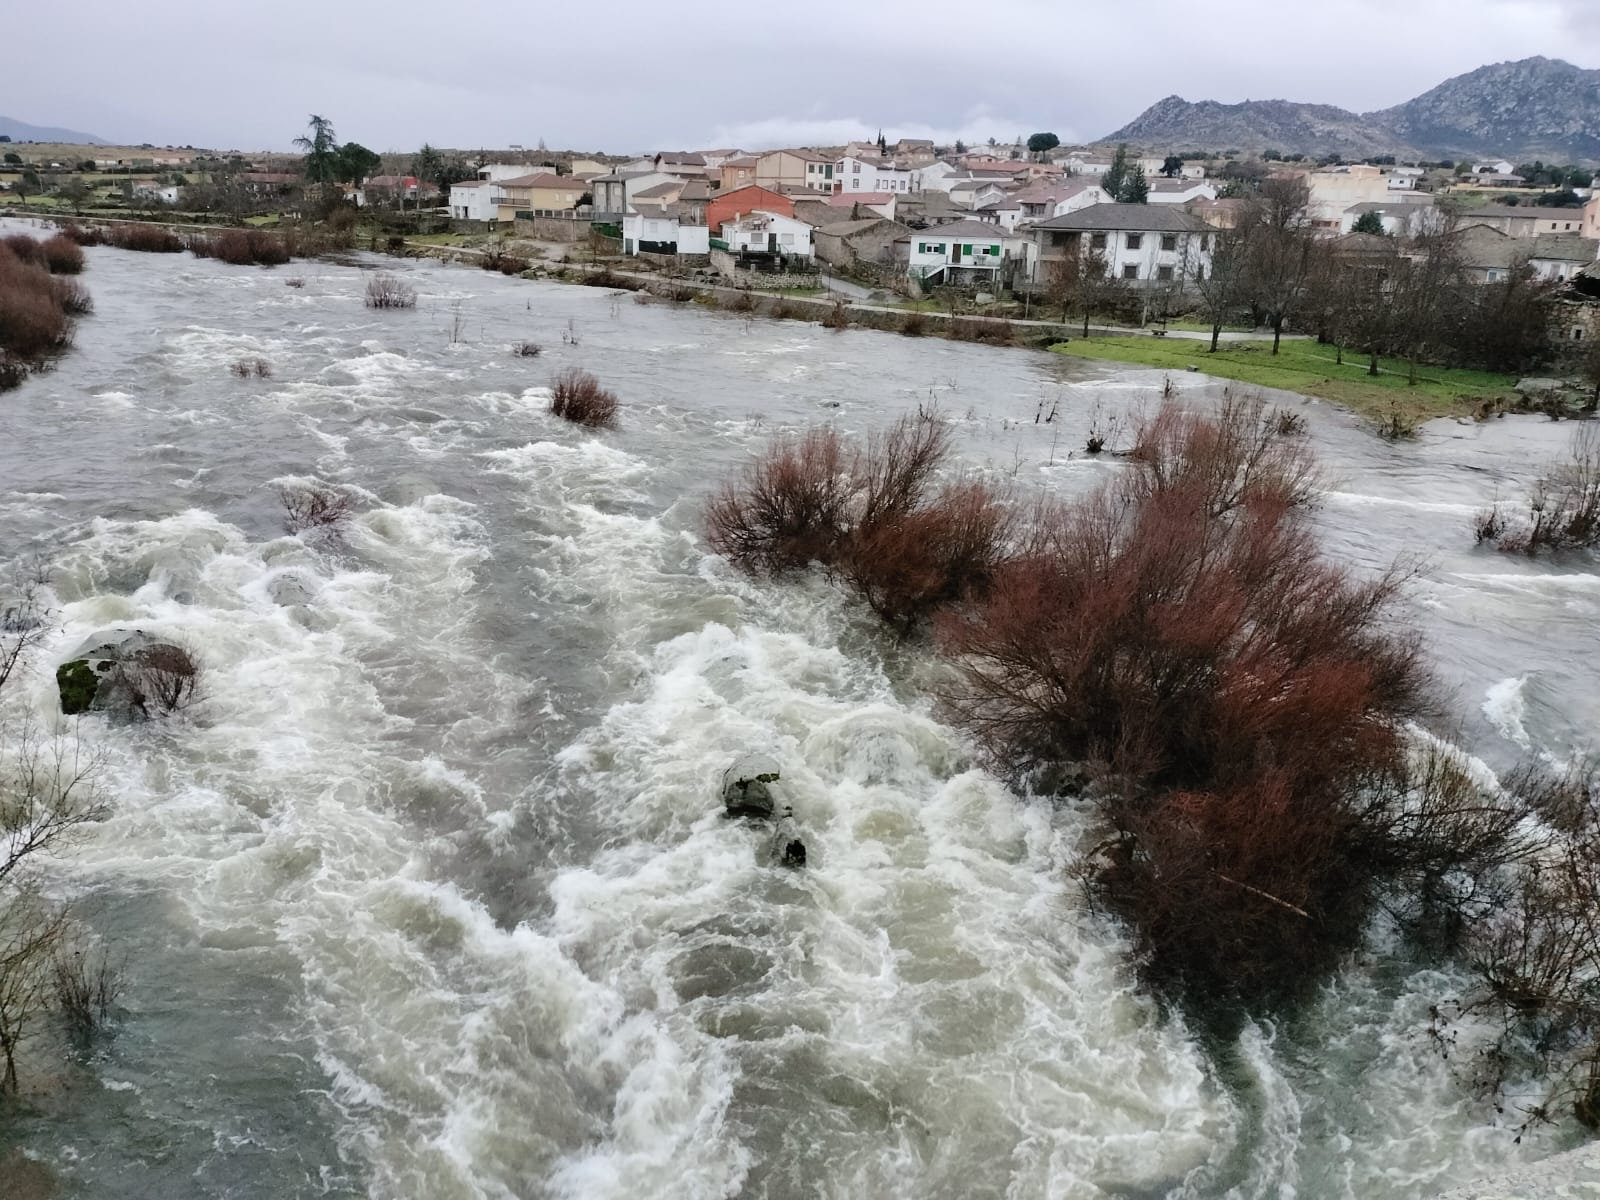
851,174
1146,245
963,252
762,232
474,200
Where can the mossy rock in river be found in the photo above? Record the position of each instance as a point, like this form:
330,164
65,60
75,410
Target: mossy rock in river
127,673
78,685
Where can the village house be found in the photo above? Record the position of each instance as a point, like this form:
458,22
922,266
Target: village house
878,204
1500,181
938,175
795,168
689,197
1398,219
1560,256
729,206
1526,221
868,240
1488,255
975,193
1041,201
1181,191
914,152
398,190
768,233
538,195
715,160
495,172
1143,244
679,164
852,174
665,231
1501,167
1403,179
1331,192
738,172
474,200
613,194
965,252
1006,213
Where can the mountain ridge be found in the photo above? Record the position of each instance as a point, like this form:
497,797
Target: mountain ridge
21,131
1529,108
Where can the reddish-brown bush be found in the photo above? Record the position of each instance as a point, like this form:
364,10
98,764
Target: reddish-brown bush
73,297
62,255
160,680
914,324
791,508
152,239
504,262
84,235
941,551
241,247
872,518
26,249
577,396
33,323
1233,699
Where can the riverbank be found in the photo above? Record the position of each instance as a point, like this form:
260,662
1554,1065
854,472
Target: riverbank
1312,369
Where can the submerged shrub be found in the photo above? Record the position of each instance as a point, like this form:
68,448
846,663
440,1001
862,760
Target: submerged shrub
62,256
1231,701
152,239
873,518
914,324
241,247
789,510
504,262
246,367
73,297
83,235
1563,508
386,291
26,249
527,349
33,322
314,506
577,396
837,317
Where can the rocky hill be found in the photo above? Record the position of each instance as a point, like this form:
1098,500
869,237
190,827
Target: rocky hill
1535,108
1178,124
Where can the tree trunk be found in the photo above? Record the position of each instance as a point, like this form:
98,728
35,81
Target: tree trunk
1372,366
1411,374
1085,320
1216,334
1338,354
1277,333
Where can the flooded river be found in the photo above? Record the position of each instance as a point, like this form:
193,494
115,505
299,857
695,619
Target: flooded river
430,897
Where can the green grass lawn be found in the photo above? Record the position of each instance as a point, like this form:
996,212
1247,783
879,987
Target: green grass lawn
1310,369
1205,327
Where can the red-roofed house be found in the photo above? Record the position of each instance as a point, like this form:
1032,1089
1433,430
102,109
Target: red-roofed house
728,206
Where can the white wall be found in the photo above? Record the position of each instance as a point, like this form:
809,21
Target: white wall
750,232
474,203
860,175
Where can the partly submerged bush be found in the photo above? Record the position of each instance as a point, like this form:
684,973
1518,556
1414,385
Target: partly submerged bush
83,235
914,324
314,506
527,349
1563,507
577,396
1231,701
874,518
73,297
386,291
152,239
504,262
33,321
62,256
25,248
244,368
241,247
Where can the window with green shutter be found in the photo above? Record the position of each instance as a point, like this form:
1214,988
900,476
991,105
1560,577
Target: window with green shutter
995,250
966,249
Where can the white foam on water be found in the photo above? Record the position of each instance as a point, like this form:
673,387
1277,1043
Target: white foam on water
1506,708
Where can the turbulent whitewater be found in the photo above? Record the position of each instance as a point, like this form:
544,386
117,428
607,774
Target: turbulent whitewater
431,895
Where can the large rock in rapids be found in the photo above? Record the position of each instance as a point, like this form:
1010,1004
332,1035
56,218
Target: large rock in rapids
746,786
125,672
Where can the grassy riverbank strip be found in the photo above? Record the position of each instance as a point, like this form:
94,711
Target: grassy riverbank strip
1312,370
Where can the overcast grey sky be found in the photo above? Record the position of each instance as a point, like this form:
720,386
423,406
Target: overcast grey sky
637,75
